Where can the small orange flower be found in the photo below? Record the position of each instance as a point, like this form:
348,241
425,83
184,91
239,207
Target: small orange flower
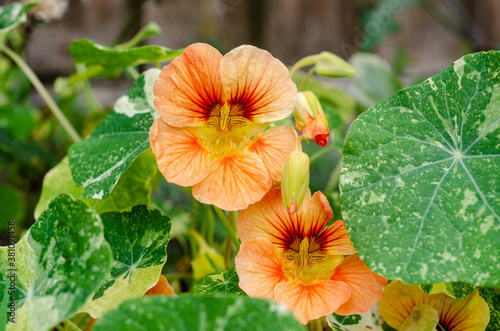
298,261
407,307
213,112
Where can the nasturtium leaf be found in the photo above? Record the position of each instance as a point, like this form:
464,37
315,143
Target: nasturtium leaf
138,239
198,313
457,290
492,298
370,320
420,185
60,262
109,61
12,16
375,80
98,161
223,283
133,187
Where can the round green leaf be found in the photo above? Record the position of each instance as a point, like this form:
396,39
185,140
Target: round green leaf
57,265
138,239
223,283
198,313
420,181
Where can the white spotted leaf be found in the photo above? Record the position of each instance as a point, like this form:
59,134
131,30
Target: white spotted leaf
98,162
420,180
60,262
138,239
199,313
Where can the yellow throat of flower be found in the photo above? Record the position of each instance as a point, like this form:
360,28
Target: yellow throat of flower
228,131
306,263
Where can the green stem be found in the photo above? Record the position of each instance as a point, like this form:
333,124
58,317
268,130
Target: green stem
228,227
59,327
43,93
132,73
72,326
306,79
307,61
320,153
333,181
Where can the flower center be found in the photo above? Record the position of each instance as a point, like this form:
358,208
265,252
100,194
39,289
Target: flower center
227,117
306,262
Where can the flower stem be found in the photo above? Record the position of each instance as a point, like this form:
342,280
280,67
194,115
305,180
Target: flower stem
43,93
333,181
71,326
320,153
306,79
228,227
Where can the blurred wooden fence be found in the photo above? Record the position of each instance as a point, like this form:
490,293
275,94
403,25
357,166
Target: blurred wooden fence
289,29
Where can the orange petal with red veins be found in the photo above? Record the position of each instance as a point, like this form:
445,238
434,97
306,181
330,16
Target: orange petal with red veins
162,287
181,159
366,286
269,219
315,214
234,182
259,83
273,147
336,240
189,87
259,267
312,301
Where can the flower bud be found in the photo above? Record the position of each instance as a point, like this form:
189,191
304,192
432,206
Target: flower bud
310,118
331,65
295,179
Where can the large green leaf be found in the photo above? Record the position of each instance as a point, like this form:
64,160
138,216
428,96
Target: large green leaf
138,240
98,162
198,313
420,184
223,283
133,187
60,262
109,61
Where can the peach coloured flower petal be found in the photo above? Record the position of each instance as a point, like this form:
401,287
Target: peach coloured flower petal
259,267
268,219
259,83
273,147
162,287
312,301
316,130
181,159
189,87
366,286
469,314
398,302
315,214
337,240
234,182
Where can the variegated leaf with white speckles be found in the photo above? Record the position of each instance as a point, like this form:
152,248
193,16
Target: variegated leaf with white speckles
199,313
60,262
11,16
133,187
420,184
138,239
98,162
223,283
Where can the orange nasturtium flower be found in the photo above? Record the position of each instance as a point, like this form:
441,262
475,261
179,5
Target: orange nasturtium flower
295,261
162,287
407,307
213,113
